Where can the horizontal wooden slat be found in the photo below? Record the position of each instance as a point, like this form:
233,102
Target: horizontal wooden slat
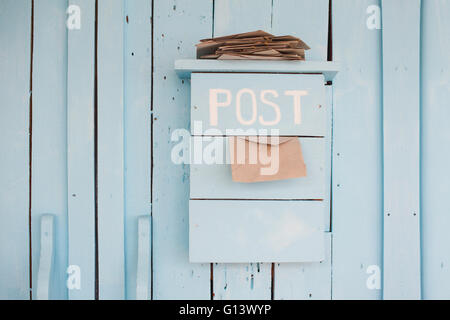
256,231
236,108
186,67
214,181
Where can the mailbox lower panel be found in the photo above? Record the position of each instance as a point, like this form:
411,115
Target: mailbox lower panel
226,231
214,181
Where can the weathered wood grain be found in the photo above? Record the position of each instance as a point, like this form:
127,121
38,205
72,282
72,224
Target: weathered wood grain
307,20
144,258
80,149
178,25
14,144
435,154
110,161
401,132
137,131
305,281
357,151
242,282
46,254
233,16
49,139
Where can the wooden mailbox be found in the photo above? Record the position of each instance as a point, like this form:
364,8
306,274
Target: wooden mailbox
274,221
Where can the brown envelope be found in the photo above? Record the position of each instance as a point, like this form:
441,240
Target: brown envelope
258,159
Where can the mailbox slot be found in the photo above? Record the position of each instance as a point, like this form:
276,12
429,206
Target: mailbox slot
214,181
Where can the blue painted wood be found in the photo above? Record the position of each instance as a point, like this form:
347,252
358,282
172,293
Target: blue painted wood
401,131
111,149
256,231
49,137
357,162
137,122
15,29
228,111
185,67
173,276
242,281
214,181
305,19
328,158
45,257
143,268
435,155
312,280
80,149
357,151
232,16
305,281
235,16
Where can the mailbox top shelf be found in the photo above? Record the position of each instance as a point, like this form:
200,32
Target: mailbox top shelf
184,68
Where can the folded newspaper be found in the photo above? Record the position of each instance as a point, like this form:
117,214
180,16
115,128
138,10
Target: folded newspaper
255,45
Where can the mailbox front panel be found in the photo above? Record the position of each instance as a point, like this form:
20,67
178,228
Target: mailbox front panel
274,221
293,104
214,181
236,231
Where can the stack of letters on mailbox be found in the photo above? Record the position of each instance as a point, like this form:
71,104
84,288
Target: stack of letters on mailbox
255,45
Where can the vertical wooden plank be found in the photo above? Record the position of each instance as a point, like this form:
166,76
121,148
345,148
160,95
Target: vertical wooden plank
235,16
143,268
242,281
306,281
305,19
401,128
328,155
45,257
357,150
178,25
435,177
137,118
110,152
15,37
290,278
49,152
80,146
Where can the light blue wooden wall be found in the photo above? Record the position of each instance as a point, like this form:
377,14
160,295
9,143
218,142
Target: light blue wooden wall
435,154
89,114
15,145
357,150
